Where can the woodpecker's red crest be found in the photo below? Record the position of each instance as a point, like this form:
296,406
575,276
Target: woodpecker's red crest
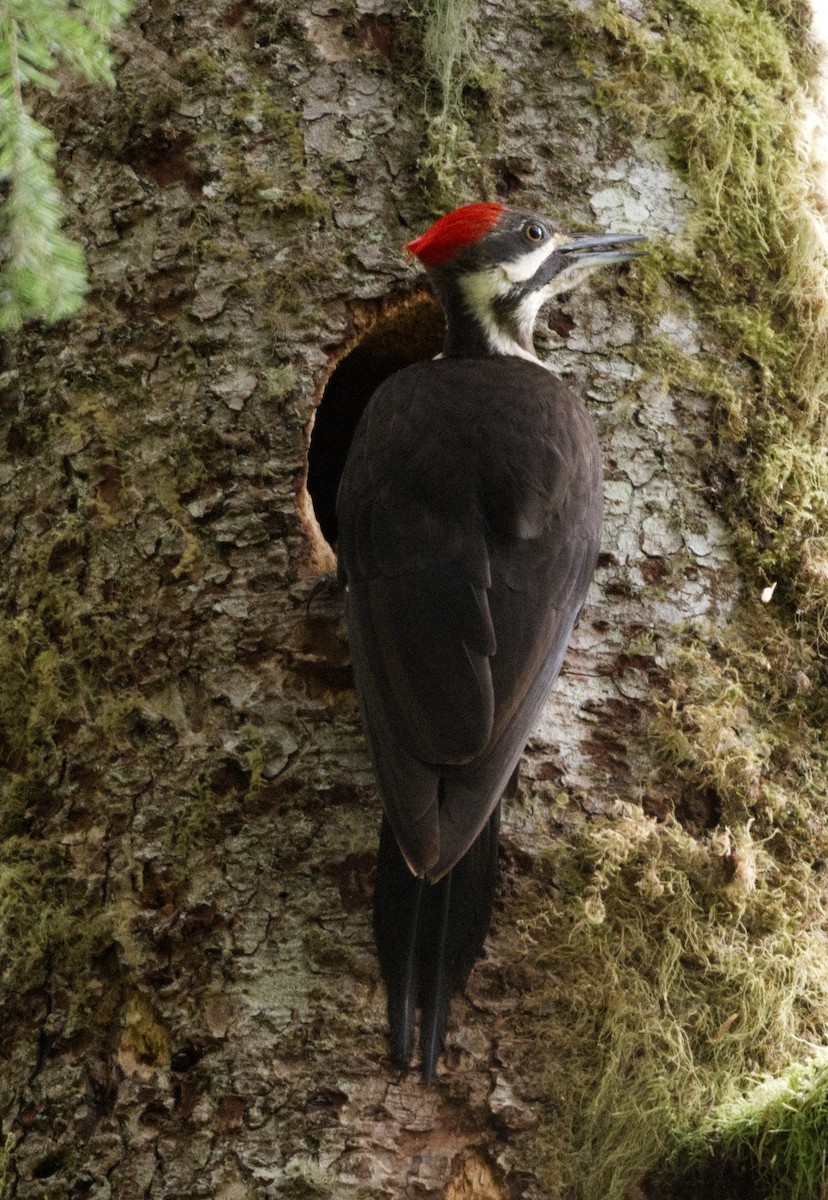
453,232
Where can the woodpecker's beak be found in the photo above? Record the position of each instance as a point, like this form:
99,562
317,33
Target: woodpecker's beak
590,250
577,257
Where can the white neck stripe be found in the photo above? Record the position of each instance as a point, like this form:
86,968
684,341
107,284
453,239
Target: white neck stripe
482,288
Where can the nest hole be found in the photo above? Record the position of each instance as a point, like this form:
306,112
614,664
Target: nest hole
404,330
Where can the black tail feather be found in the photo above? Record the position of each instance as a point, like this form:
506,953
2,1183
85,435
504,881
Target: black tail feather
435,977
429,937
398,902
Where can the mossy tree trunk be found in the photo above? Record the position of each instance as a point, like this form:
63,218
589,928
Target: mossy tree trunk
191,1004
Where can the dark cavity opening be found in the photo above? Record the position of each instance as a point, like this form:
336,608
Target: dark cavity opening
404,330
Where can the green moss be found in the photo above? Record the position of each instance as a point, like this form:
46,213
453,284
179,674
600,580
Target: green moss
62,645
677,970
198,66
301,206
47,652
47,659
250,751
279,381
303,1179
195,822
282,299
744,717
281,190
46,917
6,1152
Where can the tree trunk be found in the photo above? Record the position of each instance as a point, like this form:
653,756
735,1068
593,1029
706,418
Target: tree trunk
192,1004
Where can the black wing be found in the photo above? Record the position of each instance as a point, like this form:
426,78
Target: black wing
469,516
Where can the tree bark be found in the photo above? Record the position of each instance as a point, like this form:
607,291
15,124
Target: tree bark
192,1004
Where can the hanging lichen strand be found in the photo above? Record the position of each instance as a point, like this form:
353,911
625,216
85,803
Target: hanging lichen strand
453,163
682,969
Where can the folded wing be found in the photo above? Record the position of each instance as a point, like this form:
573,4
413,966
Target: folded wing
469,524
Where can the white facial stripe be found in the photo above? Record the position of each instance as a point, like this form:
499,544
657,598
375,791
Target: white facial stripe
524,268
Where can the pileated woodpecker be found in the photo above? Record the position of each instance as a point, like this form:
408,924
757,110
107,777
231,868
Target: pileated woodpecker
469,521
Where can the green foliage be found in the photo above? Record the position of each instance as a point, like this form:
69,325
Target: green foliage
776,1135
42,274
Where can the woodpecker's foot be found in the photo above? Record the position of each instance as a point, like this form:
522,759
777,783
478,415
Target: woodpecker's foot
327,586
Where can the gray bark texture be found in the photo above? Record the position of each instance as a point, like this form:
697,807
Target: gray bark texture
192,999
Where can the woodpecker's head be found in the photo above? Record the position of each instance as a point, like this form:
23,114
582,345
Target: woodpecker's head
493,267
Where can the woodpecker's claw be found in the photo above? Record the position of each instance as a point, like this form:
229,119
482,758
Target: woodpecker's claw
327,585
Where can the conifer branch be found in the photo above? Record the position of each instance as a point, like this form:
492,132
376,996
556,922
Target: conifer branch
42,271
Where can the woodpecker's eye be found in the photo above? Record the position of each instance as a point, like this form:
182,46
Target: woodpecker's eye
533,232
